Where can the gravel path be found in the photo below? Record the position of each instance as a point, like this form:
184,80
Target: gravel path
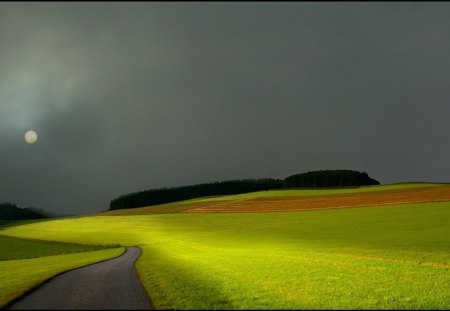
107,285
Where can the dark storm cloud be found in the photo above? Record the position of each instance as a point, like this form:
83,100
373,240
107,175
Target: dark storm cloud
131,96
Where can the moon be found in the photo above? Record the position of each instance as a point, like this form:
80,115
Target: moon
31,137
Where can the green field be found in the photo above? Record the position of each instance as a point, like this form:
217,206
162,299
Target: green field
387,257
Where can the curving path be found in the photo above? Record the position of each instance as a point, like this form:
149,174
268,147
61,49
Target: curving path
107,285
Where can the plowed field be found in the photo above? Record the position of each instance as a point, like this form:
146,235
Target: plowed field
388,197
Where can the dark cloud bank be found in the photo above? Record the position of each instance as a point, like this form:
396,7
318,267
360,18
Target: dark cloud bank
132,96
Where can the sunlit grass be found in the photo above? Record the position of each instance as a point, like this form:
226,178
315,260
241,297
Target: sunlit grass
392,257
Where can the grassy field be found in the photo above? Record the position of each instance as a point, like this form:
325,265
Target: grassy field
388,257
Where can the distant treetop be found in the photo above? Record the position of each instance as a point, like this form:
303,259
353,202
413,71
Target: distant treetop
330,178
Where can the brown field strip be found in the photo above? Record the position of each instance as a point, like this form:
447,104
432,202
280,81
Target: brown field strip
388,197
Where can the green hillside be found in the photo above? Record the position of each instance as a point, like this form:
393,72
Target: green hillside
387,257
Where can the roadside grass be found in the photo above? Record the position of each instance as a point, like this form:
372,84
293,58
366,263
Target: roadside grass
305,280
14,248
384,257
19,276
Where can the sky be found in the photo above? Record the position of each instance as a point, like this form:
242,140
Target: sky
126,97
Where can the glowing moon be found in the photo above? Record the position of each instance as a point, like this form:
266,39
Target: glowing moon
31,137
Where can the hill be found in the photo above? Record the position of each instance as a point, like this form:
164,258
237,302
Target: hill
314,179
305,199
10,211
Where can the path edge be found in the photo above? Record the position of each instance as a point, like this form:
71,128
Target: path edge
152,306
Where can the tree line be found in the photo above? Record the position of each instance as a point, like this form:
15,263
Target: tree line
10,211
167,195
315,179
330,178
